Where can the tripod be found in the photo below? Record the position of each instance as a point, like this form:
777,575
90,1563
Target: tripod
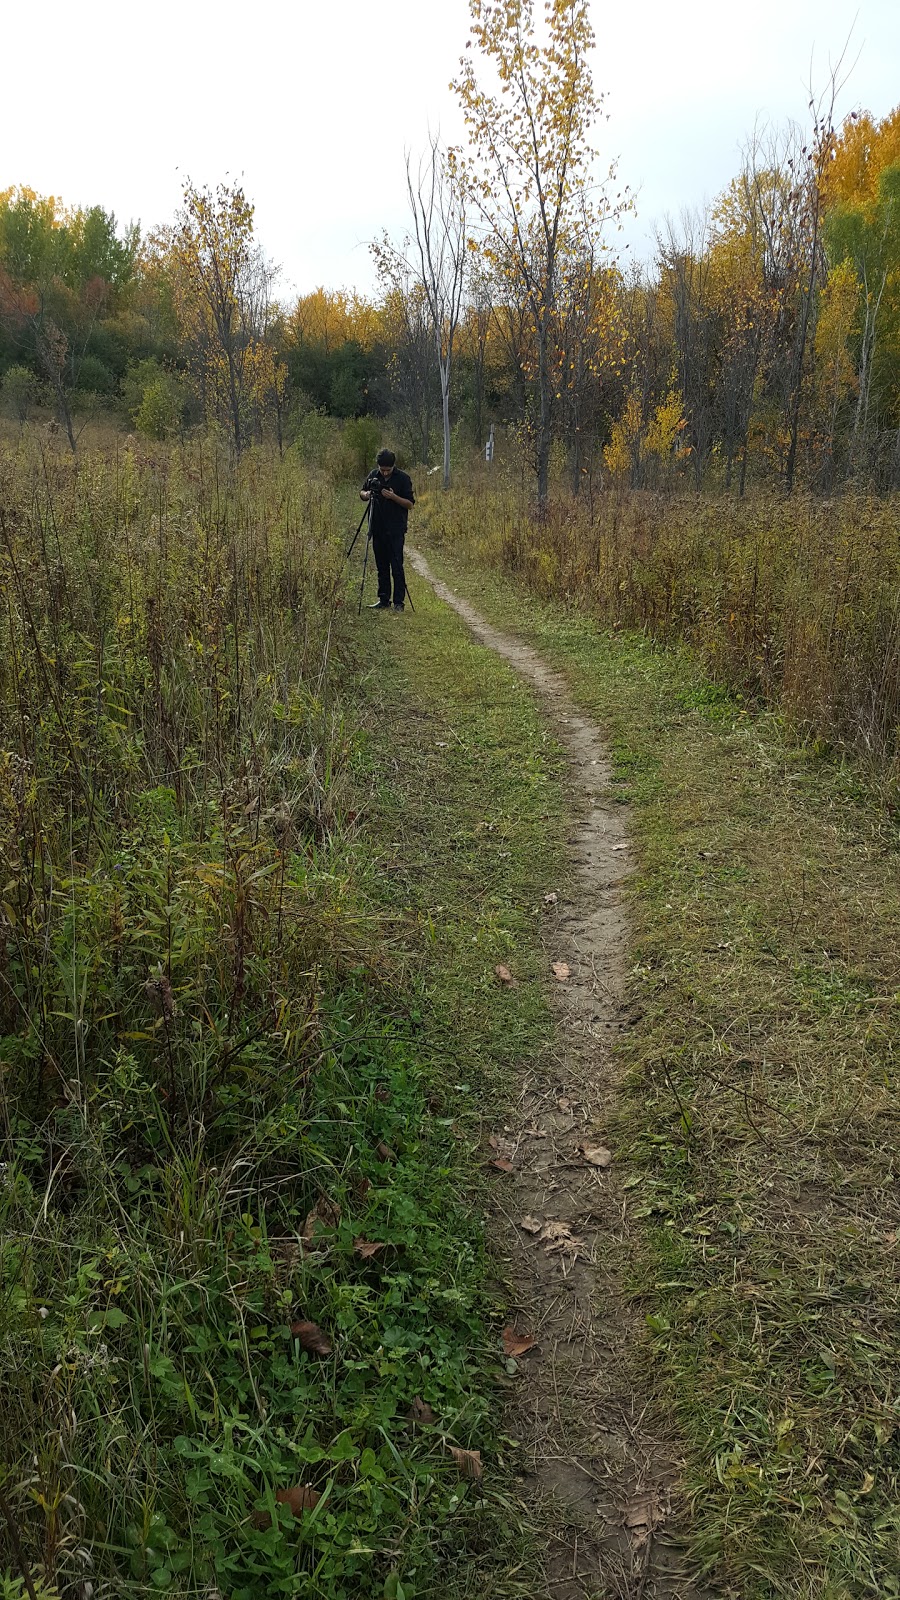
367,516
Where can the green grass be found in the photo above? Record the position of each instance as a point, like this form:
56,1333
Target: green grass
251,915
760,1109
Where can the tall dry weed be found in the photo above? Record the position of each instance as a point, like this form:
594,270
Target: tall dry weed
795,602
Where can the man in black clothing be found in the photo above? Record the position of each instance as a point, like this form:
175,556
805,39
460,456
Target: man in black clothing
392,500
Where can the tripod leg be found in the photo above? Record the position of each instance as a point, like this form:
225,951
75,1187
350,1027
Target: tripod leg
349,551
363,581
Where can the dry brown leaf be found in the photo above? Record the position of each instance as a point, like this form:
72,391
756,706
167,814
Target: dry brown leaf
300,1498
312,1338
383,1094
260,1519
420,1413
503,1165
553,1230
560,971
532,1224
558,1239
324,1217
625,847
516,1344
551,898
564,1104
367,1247
502,1146
505,976
468,1461
641,1516
596,1155
384,1151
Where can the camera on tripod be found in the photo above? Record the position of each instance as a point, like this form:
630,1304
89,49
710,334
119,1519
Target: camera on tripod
374,482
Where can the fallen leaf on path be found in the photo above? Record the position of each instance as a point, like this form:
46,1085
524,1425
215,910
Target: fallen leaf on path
420,1413
502,1146
596,1155
367,1247
564,1104
642,1514
312,1338
534,1132
384,1151
532,1224
516,1344
551,898
468,1461
620,847
301,1498
505,976
560,971
558,1239
503,1165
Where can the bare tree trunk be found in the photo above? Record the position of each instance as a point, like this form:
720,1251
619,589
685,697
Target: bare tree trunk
445,411
545,422
439,220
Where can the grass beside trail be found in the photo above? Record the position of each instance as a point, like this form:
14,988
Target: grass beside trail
464,831
760,1113
258,860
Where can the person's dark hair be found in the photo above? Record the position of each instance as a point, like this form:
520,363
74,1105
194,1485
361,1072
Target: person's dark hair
385,458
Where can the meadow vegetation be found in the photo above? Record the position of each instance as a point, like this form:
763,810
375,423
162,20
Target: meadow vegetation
246,1345
257,864
758,1120
792,603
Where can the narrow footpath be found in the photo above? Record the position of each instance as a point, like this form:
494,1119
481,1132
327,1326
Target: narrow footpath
599,1475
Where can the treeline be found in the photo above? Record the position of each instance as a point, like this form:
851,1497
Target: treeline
761,346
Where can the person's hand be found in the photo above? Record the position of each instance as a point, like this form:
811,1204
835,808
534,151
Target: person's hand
365,494
388,494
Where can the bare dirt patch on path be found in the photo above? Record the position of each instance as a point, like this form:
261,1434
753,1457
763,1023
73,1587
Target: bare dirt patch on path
592,1459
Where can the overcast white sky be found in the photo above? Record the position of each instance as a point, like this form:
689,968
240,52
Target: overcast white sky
312,103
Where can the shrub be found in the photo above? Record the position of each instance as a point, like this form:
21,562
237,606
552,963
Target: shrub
19,390
362,437
159,413
94,377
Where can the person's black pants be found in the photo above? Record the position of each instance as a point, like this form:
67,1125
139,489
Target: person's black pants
387,548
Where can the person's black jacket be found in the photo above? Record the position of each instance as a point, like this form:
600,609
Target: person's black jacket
387,517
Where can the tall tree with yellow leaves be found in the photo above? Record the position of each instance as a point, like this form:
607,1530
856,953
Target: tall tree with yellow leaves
531,162
222,287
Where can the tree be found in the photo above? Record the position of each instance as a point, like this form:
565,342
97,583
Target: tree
476,332
62,272
862,235
439,225
223,294
530,167
412,368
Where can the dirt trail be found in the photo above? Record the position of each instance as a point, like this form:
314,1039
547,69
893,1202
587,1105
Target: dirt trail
560,1225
